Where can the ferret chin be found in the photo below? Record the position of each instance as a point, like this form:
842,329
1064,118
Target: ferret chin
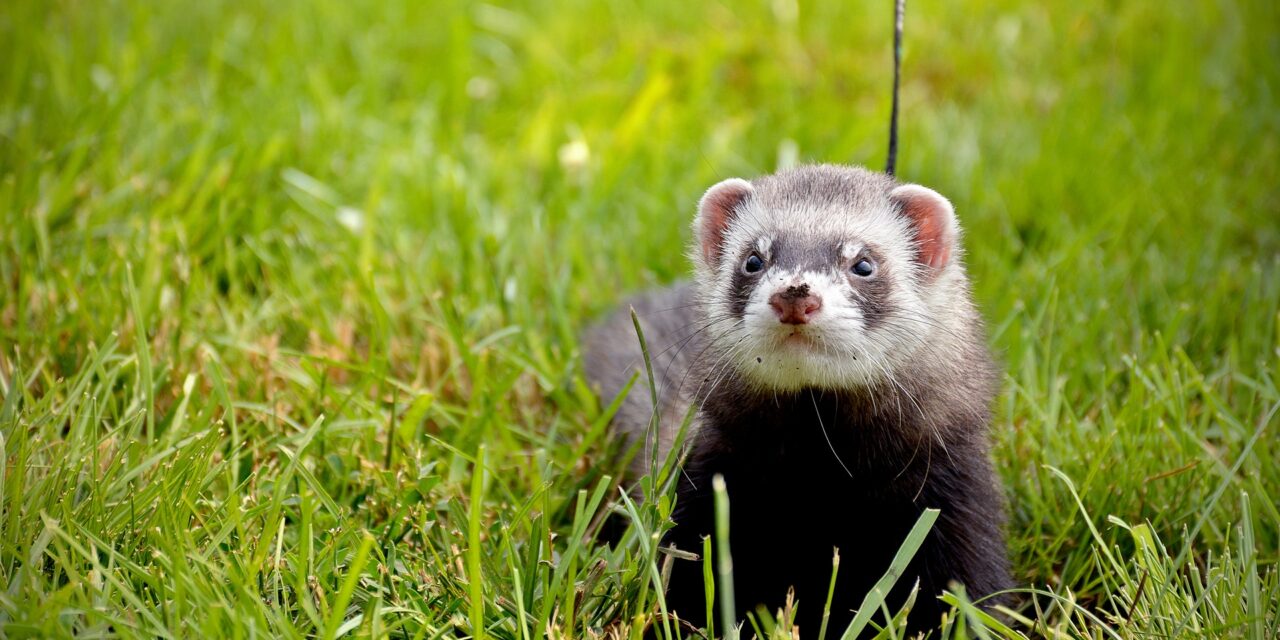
842,384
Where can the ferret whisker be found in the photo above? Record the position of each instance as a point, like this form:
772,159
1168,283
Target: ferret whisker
825,436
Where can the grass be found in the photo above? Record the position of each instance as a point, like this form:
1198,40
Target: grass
290,295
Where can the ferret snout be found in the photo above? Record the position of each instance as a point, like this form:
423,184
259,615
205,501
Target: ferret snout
796,304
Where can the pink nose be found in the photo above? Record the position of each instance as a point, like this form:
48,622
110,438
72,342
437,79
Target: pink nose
795,304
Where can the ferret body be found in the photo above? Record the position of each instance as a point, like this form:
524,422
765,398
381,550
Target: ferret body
842,385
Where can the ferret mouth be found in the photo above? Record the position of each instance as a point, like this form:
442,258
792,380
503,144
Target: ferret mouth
797,338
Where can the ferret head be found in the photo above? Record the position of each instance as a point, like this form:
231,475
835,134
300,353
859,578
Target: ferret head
827,276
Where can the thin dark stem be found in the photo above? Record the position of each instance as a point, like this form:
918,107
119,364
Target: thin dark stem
900,8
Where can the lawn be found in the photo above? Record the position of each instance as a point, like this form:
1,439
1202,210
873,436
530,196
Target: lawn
290,297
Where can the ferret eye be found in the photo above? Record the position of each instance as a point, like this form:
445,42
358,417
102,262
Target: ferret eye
753,264
863,268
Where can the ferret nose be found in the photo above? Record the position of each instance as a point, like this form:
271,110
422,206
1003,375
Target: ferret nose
795,304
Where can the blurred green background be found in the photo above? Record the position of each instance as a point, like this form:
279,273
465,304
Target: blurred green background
271,274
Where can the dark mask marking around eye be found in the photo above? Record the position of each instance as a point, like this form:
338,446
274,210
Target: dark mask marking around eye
871,294
742,285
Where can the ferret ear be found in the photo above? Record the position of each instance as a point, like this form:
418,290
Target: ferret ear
933,220
717,208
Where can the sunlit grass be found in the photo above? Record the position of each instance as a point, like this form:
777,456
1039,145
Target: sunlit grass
290,295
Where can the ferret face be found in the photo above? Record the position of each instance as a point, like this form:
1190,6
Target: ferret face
827,277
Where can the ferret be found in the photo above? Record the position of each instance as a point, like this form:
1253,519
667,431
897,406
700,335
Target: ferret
841,384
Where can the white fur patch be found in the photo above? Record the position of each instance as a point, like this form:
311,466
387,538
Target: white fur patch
763,245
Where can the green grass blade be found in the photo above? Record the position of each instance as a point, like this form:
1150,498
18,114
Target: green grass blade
831,592
475,578
338,609
724,559
898,566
